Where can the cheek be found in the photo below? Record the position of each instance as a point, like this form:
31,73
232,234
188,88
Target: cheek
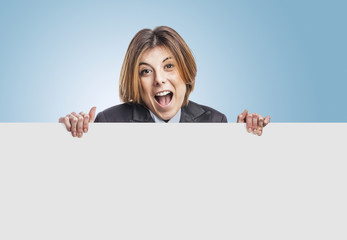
145,88
182,89
179,83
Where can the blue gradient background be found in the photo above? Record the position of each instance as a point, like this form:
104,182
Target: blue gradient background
282,58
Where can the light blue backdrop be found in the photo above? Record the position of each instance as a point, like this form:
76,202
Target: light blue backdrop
287,59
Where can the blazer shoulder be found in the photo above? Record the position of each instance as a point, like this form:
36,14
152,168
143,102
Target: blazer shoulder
118,113
126,112
202,113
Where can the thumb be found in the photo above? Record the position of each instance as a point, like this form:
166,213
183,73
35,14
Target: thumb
92,114
242,117
267,120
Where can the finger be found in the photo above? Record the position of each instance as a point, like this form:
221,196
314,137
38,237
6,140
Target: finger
254,123
66,122
249,122
79,125
261,122
267,120
85,121
242,117
260,125
78,122
260,132
73,120
92,114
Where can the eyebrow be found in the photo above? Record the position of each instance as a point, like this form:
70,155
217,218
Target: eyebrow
143,63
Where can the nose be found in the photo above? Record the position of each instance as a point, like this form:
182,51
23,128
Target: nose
159,78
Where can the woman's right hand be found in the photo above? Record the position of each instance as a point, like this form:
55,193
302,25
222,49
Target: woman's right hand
78,124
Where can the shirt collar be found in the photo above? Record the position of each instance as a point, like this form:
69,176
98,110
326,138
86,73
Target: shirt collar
174,119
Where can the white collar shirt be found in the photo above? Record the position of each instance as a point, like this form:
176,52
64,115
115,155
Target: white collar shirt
174,119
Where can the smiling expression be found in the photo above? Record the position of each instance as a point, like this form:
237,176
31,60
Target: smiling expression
162,88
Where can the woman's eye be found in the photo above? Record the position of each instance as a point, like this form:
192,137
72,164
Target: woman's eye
169,65
144,71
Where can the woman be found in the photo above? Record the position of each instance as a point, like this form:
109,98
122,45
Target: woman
157,77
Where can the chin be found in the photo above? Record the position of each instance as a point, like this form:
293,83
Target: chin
166,116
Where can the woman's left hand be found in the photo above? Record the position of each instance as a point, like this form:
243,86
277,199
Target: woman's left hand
254,122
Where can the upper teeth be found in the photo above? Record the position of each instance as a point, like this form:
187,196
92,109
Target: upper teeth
162,93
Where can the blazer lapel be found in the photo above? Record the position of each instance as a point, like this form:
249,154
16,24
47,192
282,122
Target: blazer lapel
141,114
193,112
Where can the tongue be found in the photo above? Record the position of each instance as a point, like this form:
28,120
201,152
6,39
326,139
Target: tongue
164,100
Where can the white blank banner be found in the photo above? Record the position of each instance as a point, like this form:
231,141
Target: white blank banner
173,181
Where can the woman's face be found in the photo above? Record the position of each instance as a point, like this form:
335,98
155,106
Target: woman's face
163,90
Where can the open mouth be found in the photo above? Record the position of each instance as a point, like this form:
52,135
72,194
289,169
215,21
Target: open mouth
163,98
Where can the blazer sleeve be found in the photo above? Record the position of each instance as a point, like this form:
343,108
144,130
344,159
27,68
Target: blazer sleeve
100,117
224,119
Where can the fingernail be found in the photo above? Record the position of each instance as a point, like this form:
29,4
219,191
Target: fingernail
74,134
79,134
249,130
254,131
85,130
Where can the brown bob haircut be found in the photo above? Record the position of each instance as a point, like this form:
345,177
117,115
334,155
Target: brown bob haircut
145,39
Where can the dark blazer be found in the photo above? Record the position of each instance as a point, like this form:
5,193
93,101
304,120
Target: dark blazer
132,112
